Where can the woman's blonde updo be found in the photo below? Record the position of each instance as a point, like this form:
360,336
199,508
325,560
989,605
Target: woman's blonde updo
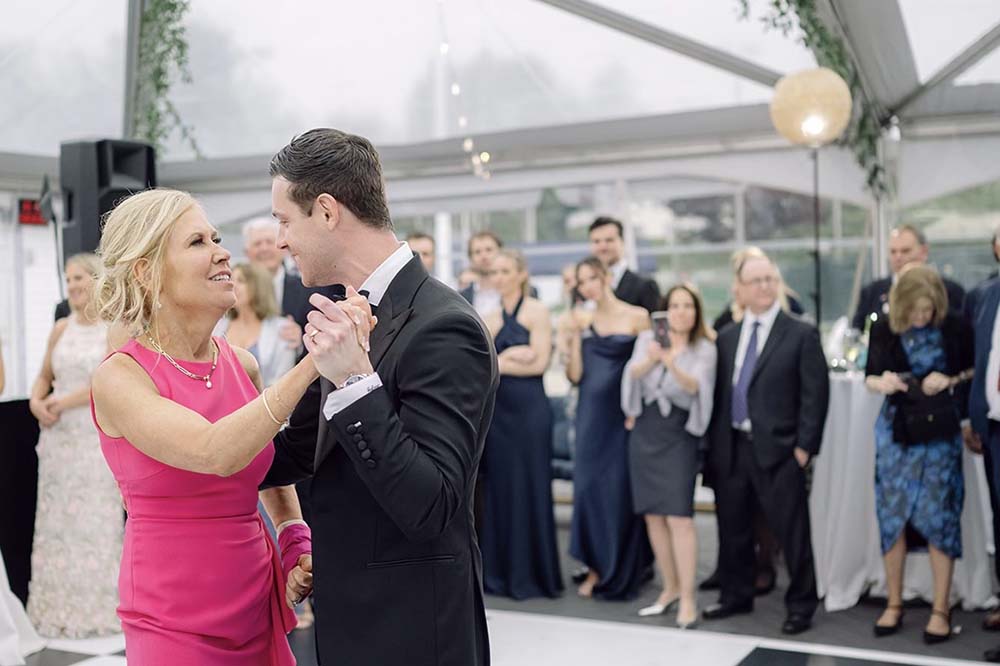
135,233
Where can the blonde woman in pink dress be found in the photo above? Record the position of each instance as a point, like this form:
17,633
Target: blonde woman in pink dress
189,440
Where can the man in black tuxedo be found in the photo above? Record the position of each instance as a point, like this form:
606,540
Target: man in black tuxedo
607,243
391,437
771,395
907,244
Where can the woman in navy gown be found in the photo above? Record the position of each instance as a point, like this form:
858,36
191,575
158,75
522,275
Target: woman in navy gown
606,535
518,534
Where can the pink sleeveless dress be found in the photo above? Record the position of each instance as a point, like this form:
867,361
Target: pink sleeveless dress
200,579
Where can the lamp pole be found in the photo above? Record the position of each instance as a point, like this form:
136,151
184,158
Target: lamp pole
817,286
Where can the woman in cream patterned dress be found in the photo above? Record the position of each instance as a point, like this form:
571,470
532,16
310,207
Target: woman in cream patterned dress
78,522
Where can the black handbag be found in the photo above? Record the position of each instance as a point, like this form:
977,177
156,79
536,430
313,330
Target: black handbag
922,418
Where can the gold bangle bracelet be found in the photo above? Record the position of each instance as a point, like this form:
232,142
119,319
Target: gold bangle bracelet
267,408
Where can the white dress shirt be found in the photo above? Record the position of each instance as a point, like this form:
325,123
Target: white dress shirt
485,301
376,285
766,320
617,272
993,372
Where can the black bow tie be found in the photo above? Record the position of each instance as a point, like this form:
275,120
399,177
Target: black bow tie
338,293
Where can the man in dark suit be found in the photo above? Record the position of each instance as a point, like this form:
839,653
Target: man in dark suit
391,437
975,294
607,243
907,244
771,394
984,410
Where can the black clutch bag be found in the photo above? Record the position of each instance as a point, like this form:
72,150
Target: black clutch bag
922,418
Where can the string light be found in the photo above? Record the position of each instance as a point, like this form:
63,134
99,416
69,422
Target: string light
478,160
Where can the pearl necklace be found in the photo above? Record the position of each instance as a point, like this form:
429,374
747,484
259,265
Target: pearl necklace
201,378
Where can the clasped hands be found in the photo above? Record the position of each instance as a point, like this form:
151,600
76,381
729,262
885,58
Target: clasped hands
46,410
889,383
337,336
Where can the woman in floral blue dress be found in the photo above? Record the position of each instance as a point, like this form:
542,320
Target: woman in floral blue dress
918,484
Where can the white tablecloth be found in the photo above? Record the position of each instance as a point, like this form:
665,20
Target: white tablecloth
844,525
17,637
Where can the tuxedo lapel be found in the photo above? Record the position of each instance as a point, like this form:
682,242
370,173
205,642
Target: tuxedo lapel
778,330
390,320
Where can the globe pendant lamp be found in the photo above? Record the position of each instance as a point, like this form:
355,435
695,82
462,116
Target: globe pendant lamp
812,108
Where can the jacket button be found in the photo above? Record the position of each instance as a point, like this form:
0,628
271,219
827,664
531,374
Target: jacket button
371,464
353,428
362,445
366,454
359,437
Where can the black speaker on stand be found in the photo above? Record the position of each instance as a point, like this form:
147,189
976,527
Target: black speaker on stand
96,175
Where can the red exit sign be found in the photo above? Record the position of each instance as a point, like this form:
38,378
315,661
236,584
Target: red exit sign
28,212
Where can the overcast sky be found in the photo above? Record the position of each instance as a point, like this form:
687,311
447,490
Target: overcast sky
263,73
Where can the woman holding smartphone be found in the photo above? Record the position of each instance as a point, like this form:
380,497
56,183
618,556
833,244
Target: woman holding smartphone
667,392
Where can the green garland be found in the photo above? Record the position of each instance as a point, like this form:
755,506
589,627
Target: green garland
865,128
163,58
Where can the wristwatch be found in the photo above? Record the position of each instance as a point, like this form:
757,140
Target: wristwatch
354,379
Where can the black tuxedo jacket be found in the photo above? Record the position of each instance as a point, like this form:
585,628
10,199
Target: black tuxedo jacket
397,569
875,295
787,399
638,290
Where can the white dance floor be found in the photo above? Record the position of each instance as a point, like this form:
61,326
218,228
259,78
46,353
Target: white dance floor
527,639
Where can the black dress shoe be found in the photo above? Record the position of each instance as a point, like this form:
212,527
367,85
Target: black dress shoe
710,583
579,575
992,656
722,611
796,623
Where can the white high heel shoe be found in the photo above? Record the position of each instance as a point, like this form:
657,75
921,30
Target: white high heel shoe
658,609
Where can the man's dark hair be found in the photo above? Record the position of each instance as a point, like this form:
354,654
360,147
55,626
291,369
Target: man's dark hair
419,235
604,221
345,166
485,233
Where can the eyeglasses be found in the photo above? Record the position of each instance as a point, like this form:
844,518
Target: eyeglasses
766,281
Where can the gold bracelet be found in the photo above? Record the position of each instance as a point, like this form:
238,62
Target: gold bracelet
267,407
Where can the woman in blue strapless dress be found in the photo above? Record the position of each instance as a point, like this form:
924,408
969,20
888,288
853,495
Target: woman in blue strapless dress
606,535
518,535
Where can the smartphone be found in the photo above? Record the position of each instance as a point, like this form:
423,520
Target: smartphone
661,328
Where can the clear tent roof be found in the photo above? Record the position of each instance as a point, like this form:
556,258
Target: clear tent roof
261,74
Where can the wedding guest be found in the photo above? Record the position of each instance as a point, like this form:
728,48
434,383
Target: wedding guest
667,395
78,522
255,323
518,537
771,398
483,248
984,410
605,534
733,311
920,357
607,243
424,247
907,245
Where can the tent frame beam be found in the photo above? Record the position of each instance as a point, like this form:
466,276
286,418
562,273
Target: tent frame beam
972,54
668,40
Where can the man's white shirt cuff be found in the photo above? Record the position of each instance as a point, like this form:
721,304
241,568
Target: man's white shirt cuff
341,399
